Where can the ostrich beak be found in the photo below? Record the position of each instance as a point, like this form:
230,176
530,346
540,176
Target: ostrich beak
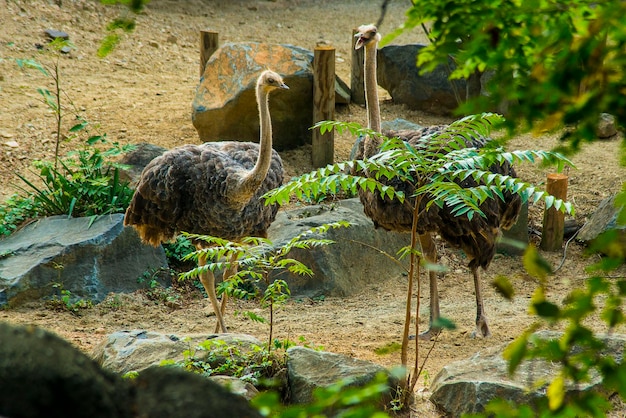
361,40
284,86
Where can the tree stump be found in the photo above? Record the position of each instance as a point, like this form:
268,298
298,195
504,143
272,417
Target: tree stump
323,104
553,219
357,88
209,42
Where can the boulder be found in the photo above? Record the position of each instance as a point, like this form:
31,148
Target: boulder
136,350
309,369
43,375
398,73
467,386
225,108
604,221
136,160
170,392
351,263
607,127
87,257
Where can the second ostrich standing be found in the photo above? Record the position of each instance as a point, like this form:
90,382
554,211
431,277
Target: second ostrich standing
211,189
476,237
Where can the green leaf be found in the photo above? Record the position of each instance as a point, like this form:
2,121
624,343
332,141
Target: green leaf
556,393
444,323
535,264
503,286
515,352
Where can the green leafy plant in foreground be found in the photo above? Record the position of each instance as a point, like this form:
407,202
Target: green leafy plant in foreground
265,369
581,352
434,168
256,259
341,399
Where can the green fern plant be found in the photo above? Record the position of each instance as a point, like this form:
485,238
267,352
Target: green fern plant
433,167
258,262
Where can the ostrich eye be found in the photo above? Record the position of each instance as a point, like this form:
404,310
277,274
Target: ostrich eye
271,80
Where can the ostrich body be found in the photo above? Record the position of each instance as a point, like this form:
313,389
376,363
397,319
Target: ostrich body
476,237
211,189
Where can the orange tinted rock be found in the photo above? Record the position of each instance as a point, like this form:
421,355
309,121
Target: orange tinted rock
225,108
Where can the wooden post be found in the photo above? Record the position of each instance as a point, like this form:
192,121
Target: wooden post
323,104
357,86
553,219
209,42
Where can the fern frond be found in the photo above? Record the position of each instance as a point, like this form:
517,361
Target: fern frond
330,179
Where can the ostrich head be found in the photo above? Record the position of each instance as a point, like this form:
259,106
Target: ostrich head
270,80
365,35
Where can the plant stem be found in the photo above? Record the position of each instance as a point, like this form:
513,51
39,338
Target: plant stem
269,343
58,114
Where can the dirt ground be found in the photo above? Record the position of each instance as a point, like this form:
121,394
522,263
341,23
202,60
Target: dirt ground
142,92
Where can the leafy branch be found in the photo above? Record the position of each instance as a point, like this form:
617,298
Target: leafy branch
255,260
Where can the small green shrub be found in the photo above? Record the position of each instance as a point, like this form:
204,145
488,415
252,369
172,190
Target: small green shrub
63,301
83,184
216,357
255,259
14,212
177,252
157,292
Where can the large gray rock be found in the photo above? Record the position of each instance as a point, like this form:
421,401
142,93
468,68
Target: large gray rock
467,386
139,350
42,375
604,219
352,262
136,350
309,369
88,259
432,92
225,108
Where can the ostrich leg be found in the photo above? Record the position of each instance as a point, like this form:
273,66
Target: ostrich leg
207,279
228,273
482,328
429,251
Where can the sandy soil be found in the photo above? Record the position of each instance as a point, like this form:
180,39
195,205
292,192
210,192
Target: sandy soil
142,92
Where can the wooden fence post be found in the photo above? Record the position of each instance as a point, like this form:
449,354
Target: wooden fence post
209,42
357,87
553,219
323,104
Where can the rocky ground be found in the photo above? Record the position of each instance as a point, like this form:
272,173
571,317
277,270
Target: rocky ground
142,92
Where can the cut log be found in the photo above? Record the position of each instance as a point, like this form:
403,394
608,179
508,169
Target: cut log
553,219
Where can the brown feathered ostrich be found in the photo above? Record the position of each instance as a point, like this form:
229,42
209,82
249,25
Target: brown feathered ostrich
476,237
211,189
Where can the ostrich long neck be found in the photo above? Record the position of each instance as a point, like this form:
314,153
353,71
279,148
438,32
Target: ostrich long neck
371,99
253,179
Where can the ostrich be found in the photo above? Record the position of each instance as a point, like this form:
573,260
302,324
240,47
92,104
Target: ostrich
476,237
211,189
